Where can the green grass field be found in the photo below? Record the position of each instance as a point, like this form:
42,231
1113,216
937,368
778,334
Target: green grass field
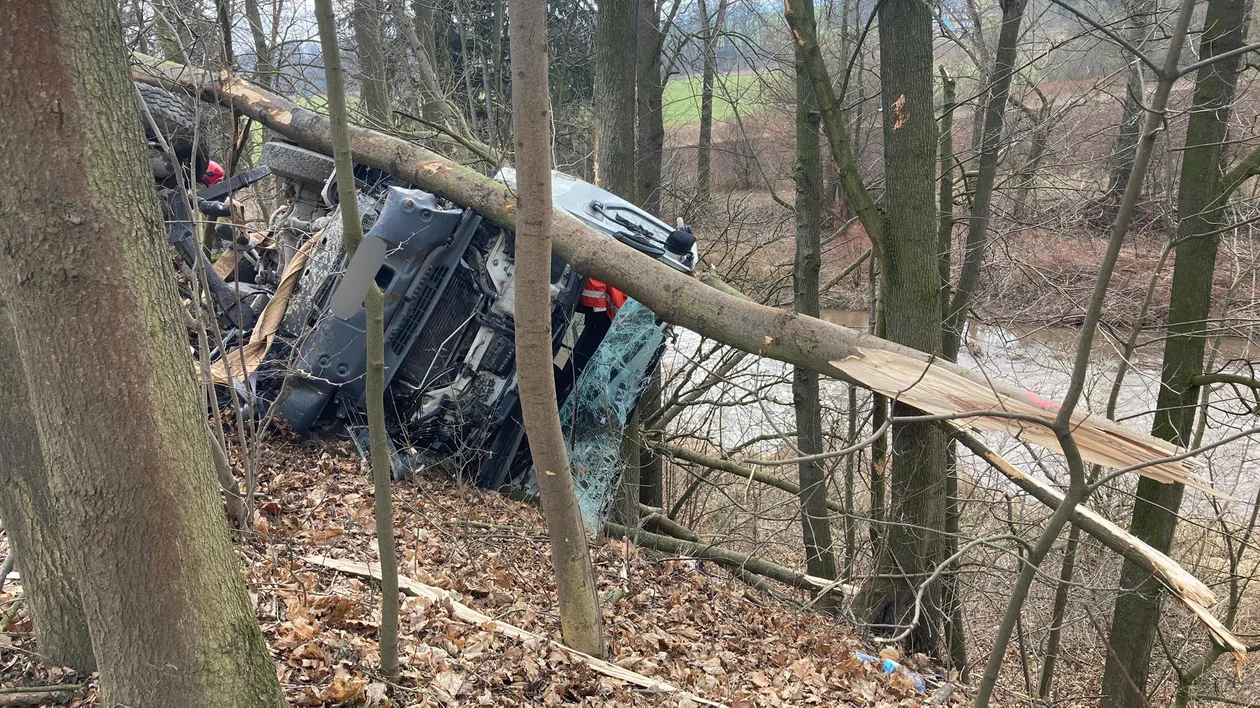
682,98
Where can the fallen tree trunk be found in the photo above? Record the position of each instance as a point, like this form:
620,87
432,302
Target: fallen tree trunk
730,559
915,378
1189,590
732,467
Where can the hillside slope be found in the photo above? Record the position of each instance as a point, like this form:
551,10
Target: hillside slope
691,625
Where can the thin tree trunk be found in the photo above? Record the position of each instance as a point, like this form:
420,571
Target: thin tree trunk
710,31
32,523
352,236
955,628
129,461
1026,180
651,466
370,55
264,63
425,28
991,142
650,129
1139,12
1045,683
615,109
580,618
945,200
911,307
1200,211
815,524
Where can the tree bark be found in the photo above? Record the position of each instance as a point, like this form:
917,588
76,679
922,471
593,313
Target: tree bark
911,292
370,55
649,95
815,523
35,535
710,31
1130,130
991,143
615,109
1200,211
81,246
352,236
264,61
580,618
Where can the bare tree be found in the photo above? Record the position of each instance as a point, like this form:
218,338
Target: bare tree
129,461
1201,202
815,524
352,236
575,578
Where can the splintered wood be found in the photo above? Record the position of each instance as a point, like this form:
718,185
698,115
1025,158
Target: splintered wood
1191,592
935,390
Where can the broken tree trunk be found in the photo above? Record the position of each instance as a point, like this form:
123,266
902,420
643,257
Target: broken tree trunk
910,376
1189,590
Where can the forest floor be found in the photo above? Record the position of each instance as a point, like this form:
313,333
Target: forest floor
690,624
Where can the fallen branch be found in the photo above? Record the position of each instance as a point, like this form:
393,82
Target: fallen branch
732,467
730,559
916,378
667,526
1189,590
467,614
5,567
39,695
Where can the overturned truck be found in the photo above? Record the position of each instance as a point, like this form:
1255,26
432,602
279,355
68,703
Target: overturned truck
289,352
447,276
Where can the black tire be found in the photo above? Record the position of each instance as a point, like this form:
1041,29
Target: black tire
298,164
176,121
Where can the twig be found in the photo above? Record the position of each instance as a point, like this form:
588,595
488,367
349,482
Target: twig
5,567
13,610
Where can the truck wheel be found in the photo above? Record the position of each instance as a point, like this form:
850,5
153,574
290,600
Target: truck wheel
298,164
176,121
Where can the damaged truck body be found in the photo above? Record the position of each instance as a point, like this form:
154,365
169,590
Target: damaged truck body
294,339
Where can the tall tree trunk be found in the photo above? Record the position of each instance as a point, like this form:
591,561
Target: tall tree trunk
1125,149
649,95
955,629
370,53
991,142
710,31
264,61
1026,180
129,458
580,618
911,308
34,528
815,524
419,35
1200,212
615,110
433,43
352,236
